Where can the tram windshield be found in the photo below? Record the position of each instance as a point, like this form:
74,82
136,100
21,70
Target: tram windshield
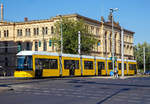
24,63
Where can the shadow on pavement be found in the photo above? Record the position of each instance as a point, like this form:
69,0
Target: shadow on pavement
102,83
120,91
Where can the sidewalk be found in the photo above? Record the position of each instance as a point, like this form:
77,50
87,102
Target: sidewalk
7,77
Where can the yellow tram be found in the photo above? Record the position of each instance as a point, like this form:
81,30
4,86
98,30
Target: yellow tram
37,64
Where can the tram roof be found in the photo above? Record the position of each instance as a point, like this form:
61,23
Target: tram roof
121,59
90,57
28,53
103,58
71,55
131,60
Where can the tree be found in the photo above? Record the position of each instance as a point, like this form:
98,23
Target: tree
70,30
138,53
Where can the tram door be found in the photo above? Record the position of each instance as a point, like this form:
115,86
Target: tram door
100,67
38,68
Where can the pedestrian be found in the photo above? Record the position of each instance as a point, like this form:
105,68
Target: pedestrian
116,72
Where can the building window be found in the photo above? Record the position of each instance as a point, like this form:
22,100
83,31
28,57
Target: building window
6,47
44,30
19,47
86,27
6,33
36,46
36,31
6,61
28,46
0,34
92,29
45,46
52,30
50,43
39,43
27,32
97,31
19,32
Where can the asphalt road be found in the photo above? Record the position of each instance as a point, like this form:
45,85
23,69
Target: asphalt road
76,91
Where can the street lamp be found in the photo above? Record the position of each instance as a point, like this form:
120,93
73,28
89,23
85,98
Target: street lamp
111,11
61,31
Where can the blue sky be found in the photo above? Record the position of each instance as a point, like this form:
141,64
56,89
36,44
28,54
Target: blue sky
133,15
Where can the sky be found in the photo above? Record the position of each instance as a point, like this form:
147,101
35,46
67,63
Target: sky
132,15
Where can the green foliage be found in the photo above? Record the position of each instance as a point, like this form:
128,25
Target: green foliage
139,55
70,30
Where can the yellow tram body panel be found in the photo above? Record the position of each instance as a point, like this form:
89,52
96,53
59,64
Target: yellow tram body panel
103,71
120,70
48,72
87,72
24,74
65,72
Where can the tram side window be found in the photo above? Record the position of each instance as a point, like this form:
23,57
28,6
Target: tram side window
132,66
125,66
101,65
69,63
110,65
88,64
47,63
120,66
24,63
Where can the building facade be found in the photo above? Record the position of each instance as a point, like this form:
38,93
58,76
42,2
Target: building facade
36,35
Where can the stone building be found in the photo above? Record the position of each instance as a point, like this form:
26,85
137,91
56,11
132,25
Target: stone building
36,35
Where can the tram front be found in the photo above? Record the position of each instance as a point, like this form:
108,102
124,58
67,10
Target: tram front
24,66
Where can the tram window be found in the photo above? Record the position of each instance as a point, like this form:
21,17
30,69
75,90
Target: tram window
125,66
120,66
101,65
88,64
47,63
68,63
132,66
53,64
110,65
24,63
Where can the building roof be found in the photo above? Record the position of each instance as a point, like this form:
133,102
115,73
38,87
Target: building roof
107,23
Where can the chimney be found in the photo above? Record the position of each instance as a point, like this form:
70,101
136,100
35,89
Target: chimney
2,12
25,19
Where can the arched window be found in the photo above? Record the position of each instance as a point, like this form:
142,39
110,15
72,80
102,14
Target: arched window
28,46
6,61
45,46
52,30
19,47
36,46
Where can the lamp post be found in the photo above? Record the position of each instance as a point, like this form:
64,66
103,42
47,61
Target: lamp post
144,58
113,56
61,31
122,51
